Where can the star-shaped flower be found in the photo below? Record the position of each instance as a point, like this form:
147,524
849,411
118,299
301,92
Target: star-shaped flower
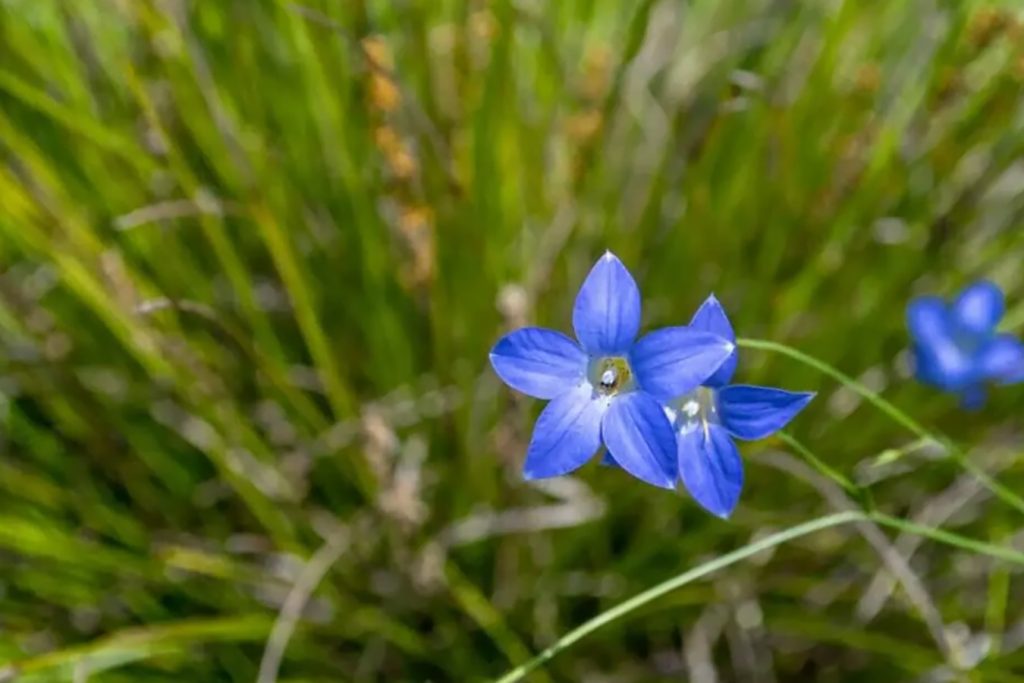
607,389
957,346
708,418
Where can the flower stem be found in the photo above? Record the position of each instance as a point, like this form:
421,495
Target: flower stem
895,414
776,539
674,583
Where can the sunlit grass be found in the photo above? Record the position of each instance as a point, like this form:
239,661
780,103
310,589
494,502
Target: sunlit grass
253,256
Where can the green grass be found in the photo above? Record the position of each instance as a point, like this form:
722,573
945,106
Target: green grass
253,255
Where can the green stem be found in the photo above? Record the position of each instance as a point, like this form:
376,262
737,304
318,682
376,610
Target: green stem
949,538
674,583
700,571
821,466
894,413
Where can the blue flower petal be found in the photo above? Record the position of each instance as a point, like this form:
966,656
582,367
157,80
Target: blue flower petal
1002,359
937,359
710,467
567,434
640,438
928,320
538,362
606,316
711,317
945,366
979,307
675,360
750,412
608,461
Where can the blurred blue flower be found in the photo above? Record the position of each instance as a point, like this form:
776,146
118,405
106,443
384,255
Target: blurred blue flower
957,347
708,418
608,388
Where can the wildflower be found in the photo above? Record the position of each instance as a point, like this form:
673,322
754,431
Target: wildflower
708,418
607,388
957,347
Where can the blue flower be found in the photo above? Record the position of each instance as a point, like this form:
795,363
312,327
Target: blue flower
607,388
957,347
708,418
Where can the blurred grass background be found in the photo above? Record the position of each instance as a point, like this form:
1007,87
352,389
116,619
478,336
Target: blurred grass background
253,255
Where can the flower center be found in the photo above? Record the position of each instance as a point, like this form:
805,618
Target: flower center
699,408
611,375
